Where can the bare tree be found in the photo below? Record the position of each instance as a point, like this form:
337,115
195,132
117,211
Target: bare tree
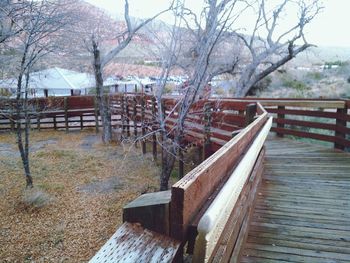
100,61
268,47
11,13
211,44
34,36
192,49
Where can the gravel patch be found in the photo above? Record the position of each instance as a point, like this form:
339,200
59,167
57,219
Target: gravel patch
11,150
36,146
7,150
89,141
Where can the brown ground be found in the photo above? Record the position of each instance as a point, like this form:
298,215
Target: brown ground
88,184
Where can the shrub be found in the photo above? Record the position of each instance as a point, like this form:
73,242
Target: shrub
260,86
315,75
220,91
168,89
35,198
295,84
4,92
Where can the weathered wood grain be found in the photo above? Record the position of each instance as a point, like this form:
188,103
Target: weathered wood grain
190,193
151,210
132,243
302,212
212,224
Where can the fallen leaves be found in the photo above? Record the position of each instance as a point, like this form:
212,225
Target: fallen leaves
75,224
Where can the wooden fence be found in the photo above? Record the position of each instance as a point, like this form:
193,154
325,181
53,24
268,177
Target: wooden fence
317,119
52,113
134,116
322,120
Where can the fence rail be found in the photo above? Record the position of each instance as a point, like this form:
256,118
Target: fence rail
323,120
317,119
314,120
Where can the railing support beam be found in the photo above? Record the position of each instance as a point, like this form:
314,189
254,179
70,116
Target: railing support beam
280,116
340,122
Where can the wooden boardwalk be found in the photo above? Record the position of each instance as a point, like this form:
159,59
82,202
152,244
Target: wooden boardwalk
302,213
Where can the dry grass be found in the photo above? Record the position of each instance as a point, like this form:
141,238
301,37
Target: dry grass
75,223
34,198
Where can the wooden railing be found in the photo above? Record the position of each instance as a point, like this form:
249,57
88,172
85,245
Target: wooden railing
223,227
232,172
52,113
209,124
317,119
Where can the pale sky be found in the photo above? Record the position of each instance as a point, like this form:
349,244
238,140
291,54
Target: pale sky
330,28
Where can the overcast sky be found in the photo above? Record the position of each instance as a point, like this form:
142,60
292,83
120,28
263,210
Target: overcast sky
330,28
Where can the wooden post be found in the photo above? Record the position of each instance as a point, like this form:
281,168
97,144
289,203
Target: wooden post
127,114
250,113
181,163
81,122
30,122
280,116
207,124
96,114
12,122
38,121
163,150
143,128
199,155
66,113
135,117
151,210
339,132
54,123
154,137
122,113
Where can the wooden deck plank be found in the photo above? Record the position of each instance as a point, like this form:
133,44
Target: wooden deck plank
147,246
303,207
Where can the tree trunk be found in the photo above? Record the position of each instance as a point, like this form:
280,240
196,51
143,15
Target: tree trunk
168,161
24,152
103,101
26,165
23,149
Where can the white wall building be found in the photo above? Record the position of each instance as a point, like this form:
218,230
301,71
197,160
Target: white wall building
53,82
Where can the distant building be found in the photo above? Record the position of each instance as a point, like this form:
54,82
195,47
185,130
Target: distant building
132,85
53,82
63,82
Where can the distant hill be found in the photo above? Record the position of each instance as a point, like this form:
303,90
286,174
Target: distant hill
322,54
142,55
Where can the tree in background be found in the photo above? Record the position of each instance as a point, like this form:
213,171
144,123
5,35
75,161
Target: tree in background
100,61
212,42
32,33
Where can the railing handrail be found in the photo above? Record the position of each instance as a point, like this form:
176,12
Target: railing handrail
210,225
293,102
187,188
